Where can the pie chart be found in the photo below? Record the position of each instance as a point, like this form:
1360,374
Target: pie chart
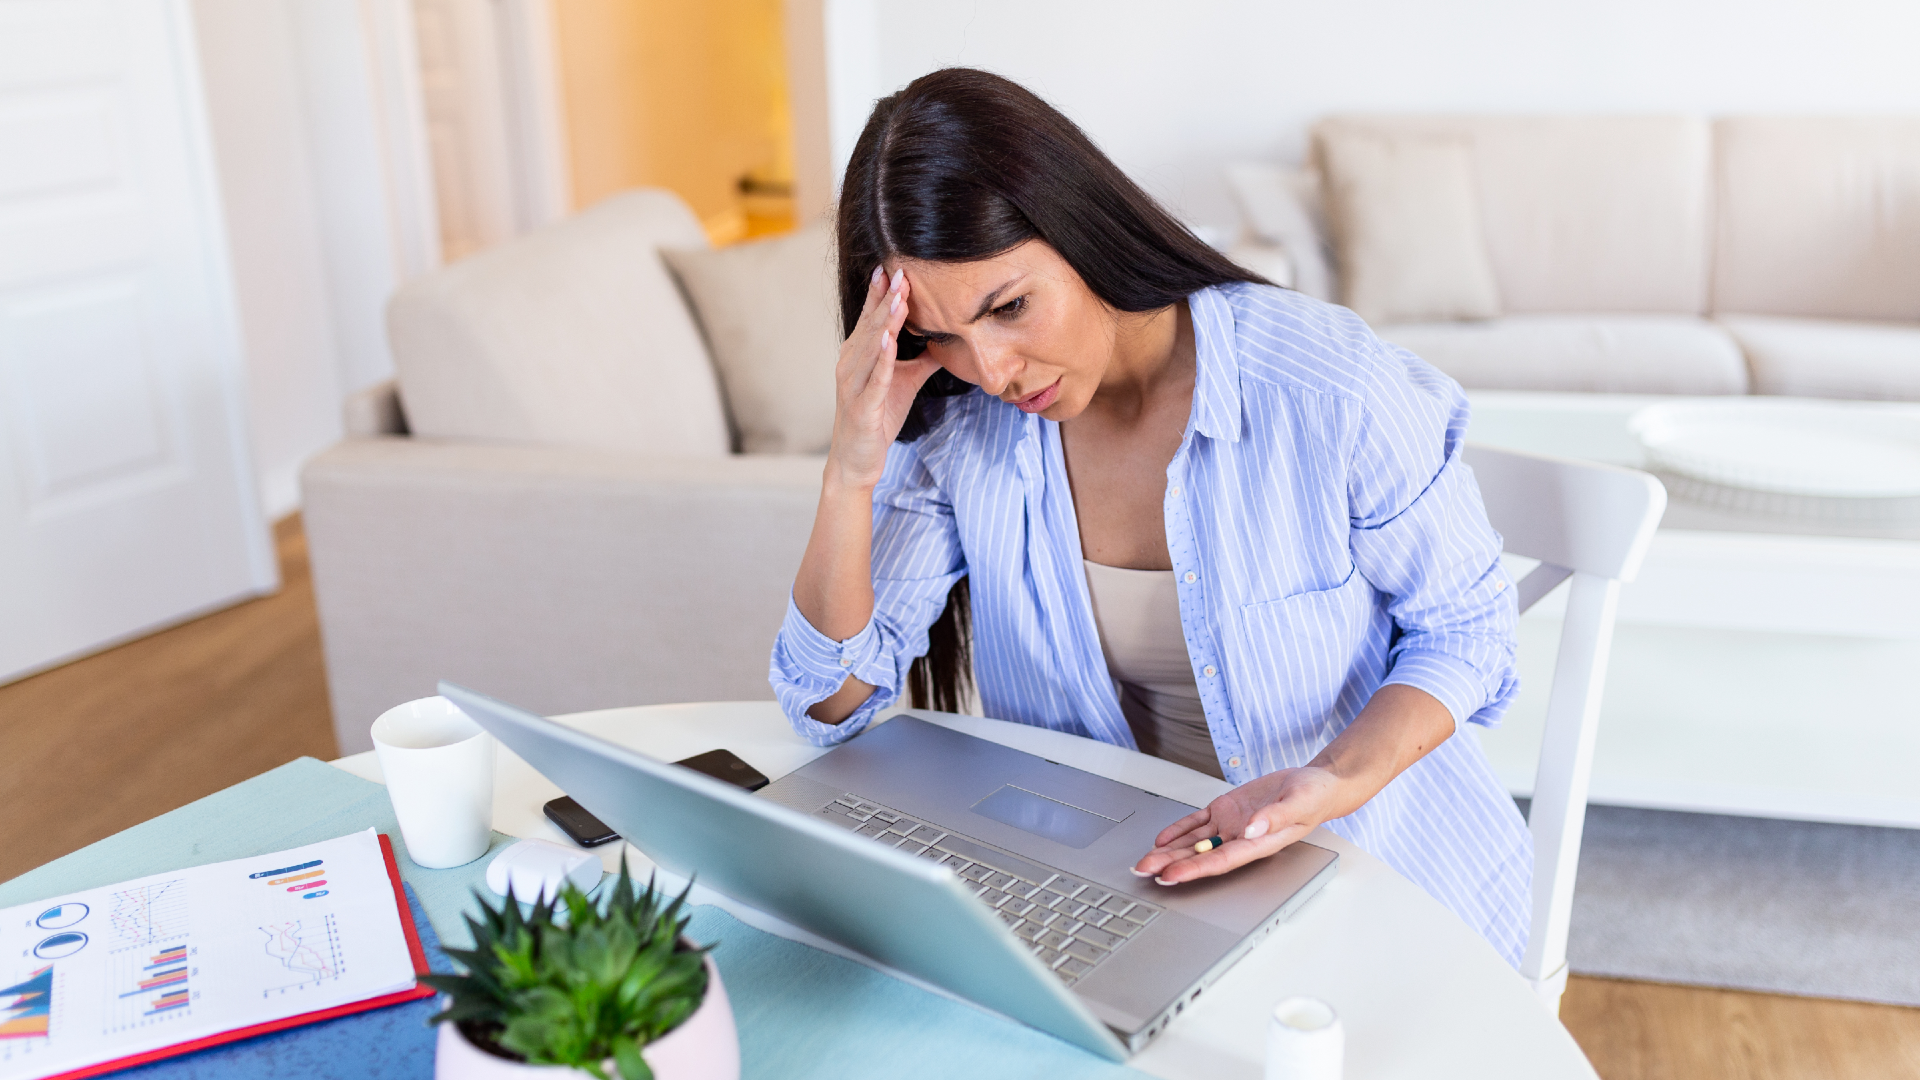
60,945
61,917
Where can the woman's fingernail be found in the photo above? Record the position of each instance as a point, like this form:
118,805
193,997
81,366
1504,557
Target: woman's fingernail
893,305
886,339
898,276
879,274
1139,873
1164,881
1258,829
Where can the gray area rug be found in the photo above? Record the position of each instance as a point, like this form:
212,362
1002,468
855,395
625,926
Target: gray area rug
1788,907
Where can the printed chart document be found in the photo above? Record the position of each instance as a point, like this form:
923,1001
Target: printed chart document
186,957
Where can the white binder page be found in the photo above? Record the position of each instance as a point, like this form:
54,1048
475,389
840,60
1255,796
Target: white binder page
99,975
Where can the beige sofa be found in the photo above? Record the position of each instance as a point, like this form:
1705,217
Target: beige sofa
1666,255
557,516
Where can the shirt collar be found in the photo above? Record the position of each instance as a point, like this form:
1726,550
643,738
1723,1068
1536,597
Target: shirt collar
1216,388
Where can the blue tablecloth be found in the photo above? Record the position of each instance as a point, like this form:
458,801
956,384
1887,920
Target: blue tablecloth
802,1013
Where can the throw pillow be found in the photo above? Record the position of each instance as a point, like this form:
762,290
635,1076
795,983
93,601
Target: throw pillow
571,335
772,319
1282,206
1406,224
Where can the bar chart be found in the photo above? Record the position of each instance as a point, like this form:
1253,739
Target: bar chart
150,985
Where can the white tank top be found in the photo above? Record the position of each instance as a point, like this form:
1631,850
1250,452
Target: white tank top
1138,615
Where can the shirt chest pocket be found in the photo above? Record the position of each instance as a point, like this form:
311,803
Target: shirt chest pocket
1301,661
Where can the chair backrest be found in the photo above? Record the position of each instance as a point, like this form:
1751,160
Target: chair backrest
1573,516
1592,523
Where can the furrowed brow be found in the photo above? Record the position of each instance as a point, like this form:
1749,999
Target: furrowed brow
986,308
992,301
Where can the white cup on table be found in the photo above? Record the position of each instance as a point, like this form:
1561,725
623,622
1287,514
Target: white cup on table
438,765
1305,1041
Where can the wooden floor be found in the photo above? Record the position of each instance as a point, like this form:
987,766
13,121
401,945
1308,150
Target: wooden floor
1653,1031
103,743
109,741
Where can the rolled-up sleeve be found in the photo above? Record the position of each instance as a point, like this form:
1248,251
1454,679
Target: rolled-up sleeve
1420,534
916,560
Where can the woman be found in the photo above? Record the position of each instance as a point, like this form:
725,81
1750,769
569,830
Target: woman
1183,510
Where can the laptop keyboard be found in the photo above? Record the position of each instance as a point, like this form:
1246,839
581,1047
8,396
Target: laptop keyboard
1070,924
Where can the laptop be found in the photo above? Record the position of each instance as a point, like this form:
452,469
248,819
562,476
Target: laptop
997,875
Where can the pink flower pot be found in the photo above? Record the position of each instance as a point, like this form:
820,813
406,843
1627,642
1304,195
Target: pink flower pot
704,1047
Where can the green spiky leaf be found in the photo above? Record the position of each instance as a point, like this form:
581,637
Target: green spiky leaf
577,982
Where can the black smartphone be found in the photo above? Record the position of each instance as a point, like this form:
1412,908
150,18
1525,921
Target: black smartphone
573,819
725,765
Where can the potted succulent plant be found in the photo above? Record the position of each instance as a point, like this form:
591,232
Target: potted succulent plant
607,988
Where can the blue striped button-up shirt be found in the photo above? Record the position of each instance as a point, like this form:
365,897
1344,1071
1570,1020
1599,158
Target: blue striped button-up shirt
1326,538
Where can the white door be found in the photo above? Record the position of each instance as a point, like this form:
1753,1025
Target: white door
126,497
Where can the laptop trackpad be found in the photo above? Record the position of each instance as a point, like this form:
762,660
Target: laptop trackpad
1047,818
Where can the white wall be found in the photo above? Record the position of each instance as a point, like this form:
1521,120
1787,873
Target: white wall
273,229
1175,91
319,142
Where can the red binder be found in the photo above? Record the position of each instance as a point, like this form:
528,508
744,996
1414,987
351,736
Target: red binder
419,991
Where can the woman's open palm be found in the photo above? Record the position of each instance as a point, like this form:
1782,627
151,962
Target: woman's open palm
1254,820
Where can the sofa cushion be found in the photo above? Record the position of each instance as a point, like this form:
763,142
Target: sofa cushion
1616,354
1825,358
773,322
1406,224
1818,217
1283,207
1583,213
573,335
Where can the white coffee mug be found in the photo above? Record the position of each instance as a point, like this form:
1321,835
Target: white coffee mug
1305,1041
438,765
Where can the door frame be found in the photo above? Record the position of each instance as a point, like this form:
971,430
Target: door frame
495,108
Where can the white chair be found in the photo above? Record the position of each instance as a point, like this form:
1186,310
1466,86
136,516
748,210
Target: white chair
1592,523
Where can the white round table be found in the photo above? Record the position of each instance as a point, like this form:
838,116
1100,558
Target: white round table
1419,993
1839,461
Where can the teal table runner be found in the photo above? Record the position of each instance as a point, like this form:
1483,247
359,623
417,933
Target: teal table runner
802,1013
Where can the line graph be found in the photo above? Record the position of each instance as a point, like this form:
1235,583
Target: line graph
149,913
309,949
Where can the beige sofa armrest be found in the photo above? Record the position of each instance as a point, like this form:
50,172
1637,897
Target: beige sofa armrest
558,579
374,410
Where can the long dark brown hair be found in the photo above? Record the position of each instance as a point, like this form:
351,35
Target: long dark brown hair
963,165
